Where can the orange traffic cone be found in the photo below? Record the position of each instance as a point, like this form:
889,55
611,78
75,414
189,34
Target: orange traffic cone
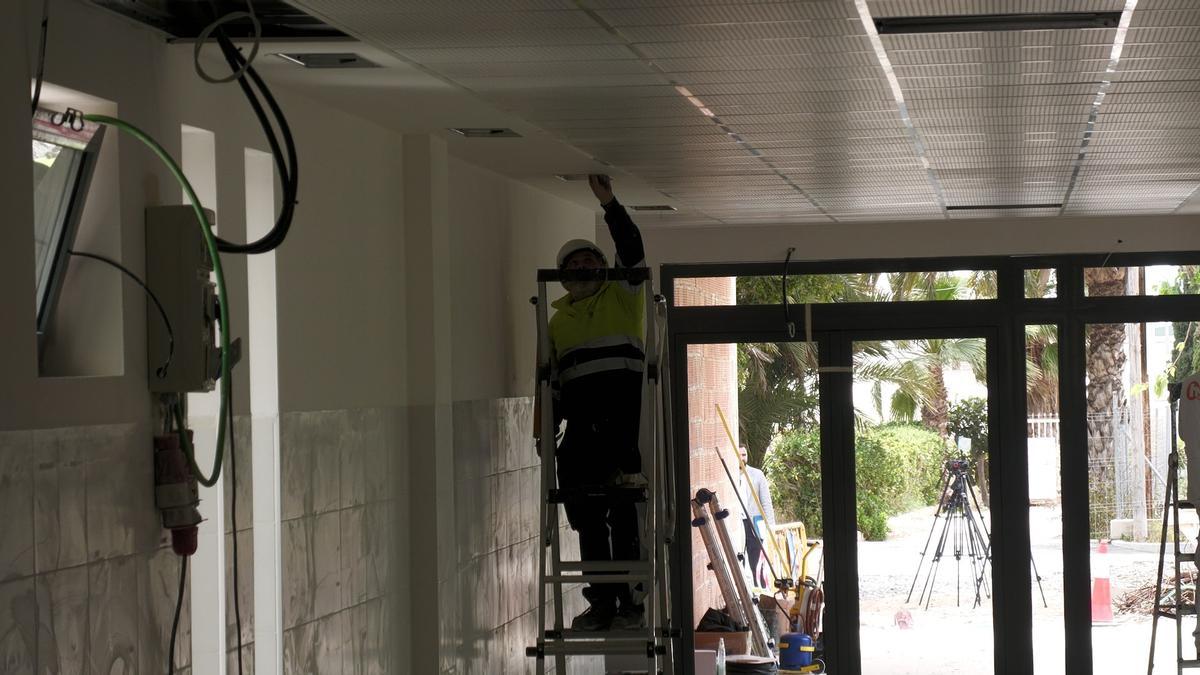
1101,589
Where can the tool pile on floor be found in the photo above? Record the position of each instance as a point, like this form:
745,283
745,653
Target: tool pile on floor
737,640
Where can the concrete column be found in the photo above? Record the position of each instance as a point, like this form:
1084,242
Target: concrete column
428,262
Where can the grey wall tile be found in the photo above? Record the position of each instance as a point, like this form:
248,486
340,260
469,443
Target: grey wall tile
378,559
16,503
231,664
326,432
331,643
62,599
508,518
112,616
121,517
60,502
508,437
295,467
158,591
365,640
354,557
243,453
299,650
18,621
469,529
299,578
359,453
326,552
245,583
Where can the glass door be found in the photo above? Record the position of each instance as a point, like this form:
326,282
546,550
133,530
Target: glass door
923,504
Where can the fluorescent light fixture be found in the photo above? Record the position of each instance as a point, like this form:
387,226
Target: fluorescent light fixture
571,177
652,207
1002,207
328,60
972,23
485,132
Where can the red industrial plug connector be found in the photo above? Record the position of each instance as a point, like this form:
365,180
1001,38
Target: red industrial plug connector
176,493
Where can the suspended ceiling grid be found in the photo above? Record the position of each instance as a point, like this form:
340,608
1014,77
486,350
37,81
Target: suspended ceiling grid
742,112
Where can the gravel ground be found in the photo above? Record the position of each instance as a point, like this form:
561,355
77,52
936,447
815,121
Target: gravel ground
952,639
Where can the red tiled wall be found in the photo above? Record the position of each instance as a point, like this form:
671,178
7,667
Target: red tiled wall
712,381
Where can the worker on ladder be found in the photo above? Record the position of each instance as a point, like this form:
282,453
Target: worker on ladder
596,336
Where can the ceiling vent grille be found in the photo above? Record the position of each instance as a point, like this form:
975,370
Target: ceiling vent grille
652,207
973,23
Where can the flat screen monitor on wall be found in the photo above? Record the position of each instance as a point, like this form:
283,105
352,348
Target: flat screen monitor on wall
64,156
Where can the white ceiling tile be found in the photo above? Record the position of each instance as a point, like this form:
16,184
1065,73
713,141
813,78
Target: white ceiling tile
799,117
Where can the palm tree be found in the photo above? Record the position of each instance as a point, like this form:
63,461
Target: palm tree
1106,400
1041,369
917,368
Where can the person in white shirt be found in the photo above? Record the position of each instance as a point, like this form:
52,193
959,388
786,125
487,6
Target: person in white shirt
757,487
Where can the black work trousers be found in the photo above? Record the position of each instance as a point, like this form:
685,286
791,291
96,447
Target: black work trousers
599,445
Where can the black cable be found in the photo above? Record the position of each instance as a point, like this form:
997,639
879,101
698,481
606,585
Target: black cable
162,370
287,168
288,173
41,69
237,606
178,609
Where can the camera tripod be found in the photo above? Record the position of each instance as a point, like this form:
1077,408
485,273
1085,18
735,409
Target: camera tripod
964,531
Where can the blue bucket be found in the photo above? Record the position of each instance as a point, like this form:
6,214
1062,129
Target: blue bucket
795,651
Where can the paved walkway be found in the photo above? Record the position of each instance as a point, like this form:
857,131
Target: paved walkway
957,640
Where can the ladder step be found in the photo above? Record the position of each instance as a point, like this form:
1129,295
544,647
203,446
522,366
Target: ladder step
594,648
1183,504
632,495
604,566
595,578
1170,610
1189,663
567,634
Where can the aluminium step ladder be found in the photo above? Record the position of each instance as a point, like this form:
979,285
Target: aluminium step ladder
709,519
1173,605
648,577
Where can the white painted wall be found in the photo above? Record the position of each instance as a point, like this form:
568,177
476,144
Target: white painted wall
502,232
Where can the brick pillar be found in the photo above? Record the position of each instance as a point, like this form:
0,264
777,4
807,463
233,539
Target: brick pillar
712,380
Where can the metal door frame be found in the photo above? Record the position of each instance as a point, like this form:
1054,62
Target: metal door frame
1002,322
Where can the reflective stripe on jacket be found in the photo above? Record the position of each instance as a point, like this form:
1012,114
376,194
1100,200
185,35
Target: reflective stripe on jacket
600,333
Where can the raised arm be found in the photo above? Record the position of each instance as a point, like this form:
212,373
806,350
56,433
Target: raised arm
630,250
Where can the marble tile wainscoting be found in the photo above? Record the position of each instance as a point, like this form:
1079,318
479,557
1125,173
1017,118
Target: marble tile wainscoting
339,475
88,581
493,588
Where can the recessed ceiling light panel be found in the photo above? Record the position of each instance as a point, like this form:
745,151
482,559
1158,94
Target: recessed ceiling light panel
1002,207
328,60
972,23
485,132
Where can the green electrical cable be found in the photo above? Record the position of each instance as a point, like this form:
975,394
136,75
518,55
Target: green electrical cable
211,243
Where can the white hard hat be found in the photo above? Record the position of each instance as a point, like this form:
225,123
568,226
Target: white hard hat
576,245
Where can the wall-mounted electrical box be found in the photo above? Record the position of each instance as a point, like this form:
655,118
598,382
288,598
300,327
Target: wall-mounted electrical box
178,270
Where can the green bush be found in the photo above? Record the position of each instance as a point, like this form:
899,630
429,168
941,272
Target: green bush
915,455
898,468
793,468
